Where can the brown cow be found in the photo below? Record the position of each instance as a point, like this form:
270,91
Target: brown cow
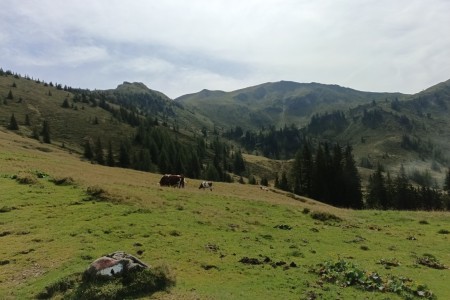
172,180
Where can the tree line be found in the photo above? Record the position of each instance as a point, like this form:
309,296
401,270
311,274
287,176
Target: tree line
330,175
156,148
385,192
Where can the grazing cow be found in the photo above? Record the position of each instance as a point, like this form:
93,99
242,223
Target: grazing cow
172,180
206,185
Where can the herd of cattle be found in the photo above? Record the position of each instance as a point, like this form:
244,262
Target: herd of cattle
179,181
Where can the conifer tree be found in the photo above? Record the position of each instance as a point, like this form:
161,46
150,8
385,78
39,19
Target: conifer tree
35,134
65,103
88,153
10,95
377,195
99,156
403,195
124,155
144,162
283,183
238,163
306,170
211,173
447,181
335,177
194,166
264,181
110,157
46,132
27,120
352,181
296,172
13,123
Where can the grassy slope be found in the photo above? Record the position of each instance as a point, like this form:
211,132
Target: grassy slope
52,232
67,125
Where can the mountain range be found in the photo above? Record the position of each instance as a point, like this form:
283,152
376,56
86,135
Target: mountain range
391,129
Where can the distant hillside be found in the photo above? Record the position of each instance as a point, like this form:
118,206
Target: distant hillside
73,117
130,126
278,103
391,129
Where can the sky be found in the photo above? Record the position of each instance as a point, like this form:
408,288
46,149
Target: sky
181,47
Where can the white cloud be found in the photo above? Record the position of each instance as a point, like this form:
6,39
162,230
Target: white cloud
364,44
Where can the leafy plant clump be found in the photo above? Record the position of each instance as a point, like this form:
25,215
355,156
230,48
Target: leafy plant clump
431,261
388,263
63,181
345,274
25,179
130,285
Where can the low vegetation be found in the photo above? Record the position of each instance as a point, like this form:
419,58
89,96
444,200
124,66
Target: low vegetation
237,242
347,274
132,284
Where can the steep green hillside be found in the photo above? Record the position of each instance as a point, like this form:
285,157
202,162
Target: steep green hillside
70,124
278,104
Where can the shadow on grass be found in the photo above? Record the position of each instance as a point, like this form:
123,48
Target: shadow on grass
127,285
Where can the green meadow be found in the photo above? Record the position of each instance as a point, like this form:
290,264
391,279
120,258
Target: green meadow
58,213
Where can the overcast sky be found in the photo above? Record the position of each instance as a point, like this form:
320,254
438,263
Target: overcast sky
180,47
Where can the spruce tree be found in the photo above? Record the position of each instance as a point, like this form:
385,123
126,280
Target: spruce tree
211,173
336,180
306,170
99,156
13,123
27,120
46,132
65,103
10,95
88,153
264,181
447,181
403,195
296,172
352,181
110,158
124,155
377,194
238,163
283,184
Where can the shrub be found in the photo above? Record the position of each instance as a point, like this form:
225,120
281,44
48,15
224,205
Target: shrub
5,209
26,179
324,216
63,181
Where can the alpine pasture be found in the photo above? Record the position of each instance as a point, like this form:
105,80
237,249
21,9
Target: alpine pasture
58,213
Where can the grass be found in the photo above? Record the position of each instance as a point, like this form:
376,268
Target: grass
53,231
